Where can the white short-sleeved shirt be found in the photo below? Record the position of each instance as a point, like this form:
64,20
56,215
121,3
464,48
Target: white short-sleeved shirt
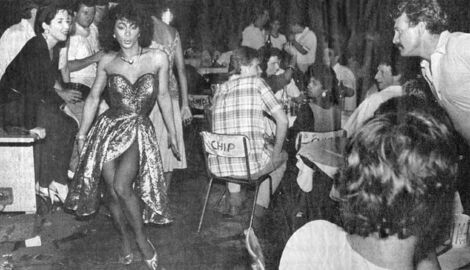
346,76
253,37
278,42
448,74
308,40
368,107
82,44
324,246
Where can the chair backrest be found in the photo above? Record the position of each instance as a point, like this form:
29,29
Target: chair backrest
198,103
225,145
305,137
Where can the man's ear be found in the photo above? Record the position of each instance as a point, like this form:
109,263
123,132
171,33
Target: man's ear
421,28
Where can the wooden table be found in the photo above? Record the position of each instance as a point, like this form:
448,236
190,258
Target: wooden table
212,70
17,171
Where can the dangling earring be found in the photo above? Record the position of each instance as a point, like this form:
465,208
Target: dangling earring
45,34
114,36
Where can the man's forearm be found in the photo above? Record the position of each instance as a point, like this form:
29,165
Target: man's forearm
299,47
78,64
281,132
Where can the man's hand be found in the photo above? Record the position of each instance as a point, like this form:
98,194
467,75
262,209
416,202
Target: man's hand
290,49
40,132
291,37
278,159
70,96
345,91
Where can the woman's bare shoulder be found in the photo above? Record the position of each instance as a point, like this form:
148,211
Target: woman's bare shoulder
108,57
155,53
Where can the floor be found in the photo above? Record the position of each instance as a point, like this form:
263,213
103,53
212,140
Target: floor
93,244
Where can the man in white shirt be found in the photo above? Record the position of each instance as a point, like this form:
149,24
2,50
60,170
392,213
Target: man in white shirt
277,39
254,36
16,36
302,44
421,30
83,52
388,83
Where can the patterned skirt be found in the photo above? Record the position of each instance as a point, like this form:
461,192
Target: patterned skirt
111,135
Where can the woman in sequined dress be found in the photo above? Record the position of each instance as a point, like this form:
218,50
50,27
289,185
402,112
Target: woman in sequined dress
121,145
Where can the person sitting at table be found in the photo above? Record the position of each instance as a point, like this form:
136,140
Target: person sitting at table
238,107
323,111
31,96
388,79
321,114
394,213
278,75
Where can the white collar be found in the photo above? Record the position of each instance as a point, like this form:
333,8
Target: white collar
80,30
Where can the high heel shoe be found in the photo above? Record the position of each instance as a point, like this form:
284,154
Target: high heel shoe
126,260
153,262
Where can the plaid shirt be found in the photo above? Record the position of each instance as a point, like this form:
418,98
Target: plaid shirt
238,108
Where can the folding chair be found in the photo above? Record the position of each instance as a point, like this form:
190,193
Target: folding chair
198,103
253,247
323,161
236,146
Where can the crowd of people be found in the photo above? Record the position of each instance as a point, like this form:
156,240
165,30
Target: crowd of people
104,87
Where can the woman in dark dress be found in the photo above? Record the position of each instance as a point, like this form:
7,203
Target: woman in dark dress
121,145
32,95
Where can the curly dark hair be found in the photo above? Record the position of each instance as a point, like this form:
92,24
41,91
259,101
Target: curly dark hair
45,15
399,178
427,11
327,76
131,12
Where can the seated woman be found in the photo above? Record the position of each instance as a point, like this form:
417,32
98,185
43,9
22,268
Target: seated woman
32,96
323,111
393,212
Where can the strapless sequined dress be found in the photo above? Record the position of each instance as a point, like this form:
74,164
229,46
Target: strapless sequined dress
111,135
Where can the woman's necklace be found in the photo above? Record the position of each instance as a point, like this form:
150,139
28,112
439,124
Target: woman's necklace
131,60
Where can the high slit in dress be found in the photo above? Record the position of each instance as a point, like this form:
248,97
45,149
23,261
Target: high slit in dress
111,135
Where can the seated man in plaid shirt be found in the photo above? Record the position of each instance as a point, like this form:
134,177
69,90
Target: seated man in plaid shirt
238,108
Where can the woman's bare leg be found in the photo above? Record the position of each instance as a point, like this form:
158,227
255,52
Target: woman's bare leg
115,207
125,173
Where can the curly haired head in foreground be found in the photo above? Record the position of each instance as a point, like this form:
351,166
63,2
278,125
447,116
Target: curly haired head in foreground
399,178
